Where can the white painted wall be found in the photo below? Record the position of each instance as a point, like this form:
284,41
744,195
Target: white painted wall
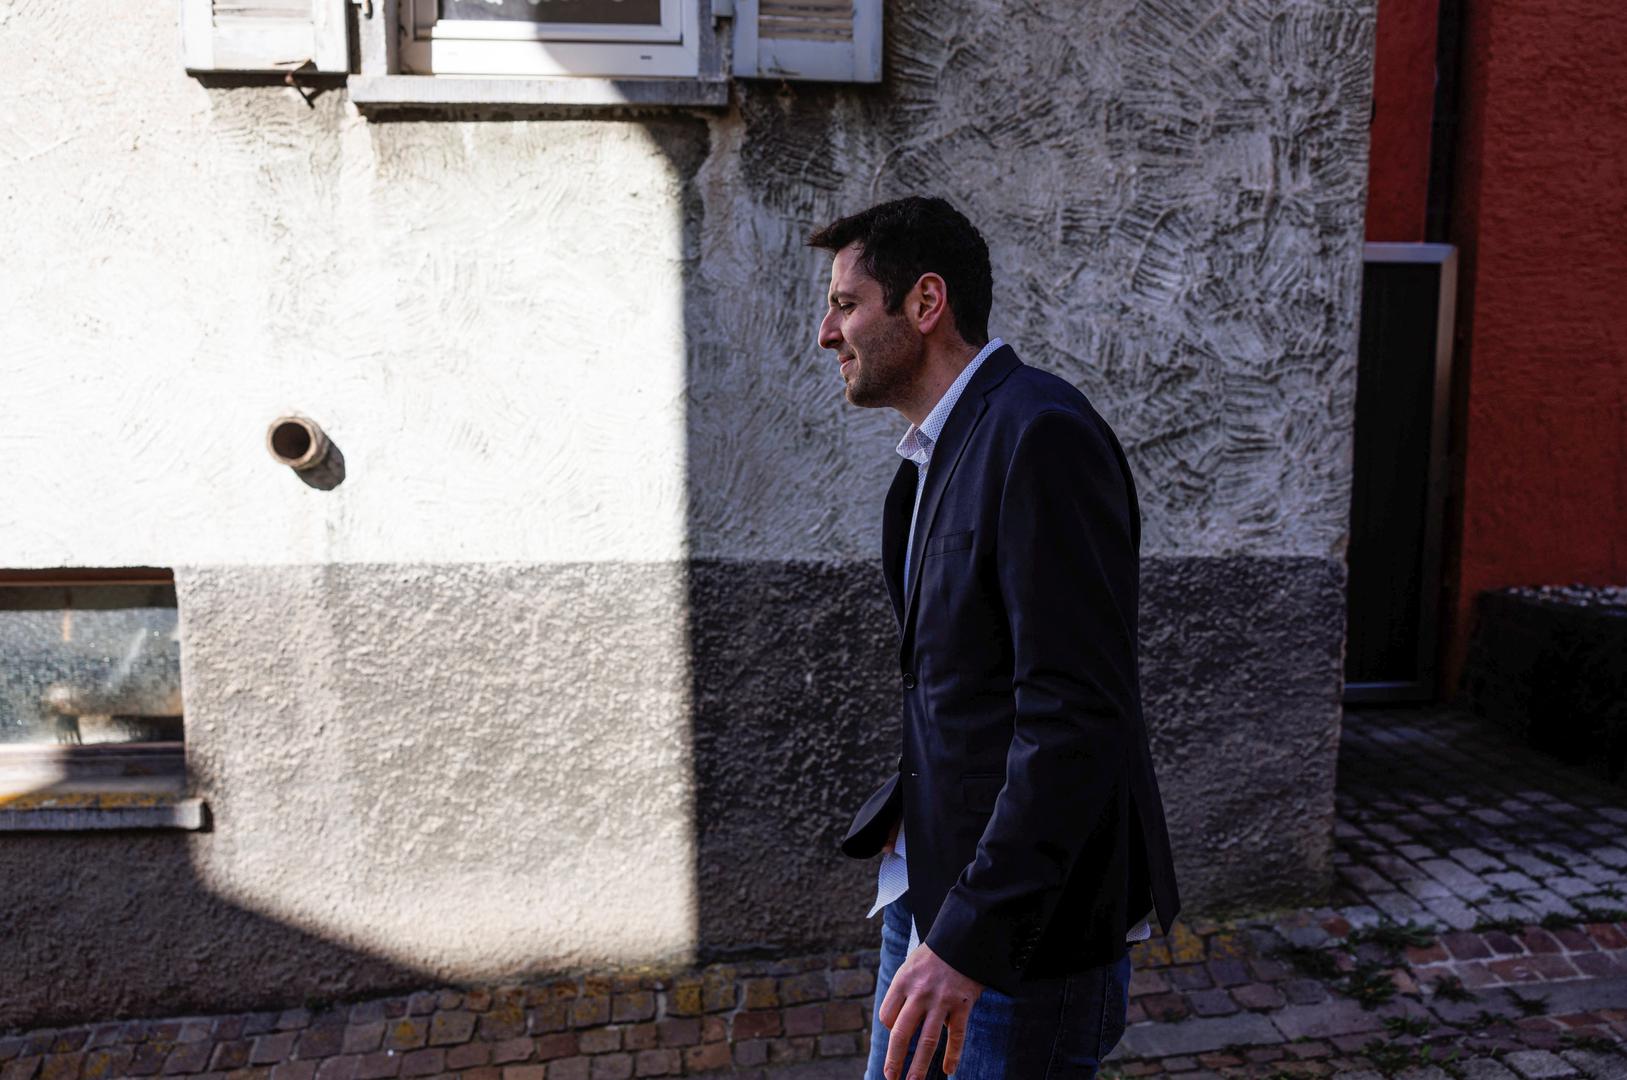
471,770
486,318
490,318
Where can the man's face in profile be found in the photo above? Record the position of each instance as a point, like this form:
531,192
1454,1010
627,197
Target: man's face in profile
880,353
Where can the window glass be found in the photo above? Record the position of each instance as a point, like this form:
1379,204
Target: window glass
595,12
89,663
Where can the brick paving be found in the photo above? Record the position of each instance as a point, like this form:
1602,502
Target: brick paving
791,1020
1476,931
1440,819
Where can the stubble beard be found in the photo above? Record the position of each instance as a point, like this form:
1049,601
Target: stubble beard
889,365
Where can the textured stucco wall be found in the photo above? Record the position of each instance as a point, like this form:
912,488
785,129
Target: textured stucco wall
486,318
1173,199
587,659
500,798
440,712
793,683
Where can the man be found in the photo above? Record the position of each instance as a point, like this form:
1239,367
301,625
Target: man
1024,818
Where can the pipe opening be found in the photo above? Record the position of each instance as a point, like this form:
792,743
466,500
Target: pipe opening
296,442
290,442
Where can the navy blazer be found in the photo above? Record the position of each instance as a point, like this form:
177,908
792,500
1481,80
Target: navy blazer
1036,833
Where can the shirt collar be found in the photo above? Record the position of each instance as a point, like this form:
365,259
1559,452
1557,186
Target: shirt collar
918,441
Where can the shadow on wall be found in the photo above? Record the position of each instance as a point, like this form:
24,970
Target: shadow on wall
182,949
792,710
117,924
792,642
1075,150
319,883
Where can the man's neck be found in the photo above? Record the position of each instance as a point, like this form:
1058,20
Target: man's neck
943,366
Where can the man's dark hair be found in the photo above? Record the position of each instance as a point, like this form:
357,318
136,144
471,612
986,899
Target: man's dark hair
903,239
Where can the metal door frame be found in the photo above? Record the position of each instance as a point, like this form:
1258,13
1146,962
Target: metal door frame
1429,602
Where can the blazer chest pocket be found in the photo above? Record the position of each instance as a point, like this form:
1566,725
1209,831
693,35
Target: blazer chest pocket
979,790
944,544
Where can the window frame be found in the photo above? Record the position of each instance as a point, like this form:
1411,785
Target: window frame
437,47
94,577
68,792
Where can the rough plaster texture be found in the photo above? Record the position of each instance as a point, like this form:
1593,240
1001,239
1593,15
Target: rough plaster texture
487,315
1238,655
1172,194
120,924
486,318
492,721
796,719
407,801
463,768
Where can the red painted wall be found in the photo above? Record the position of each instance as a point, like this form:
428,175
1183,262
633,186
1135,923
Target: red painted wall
1403,102
1540,213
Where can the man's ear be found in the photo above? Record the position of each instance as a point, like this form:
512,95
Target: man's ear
929,303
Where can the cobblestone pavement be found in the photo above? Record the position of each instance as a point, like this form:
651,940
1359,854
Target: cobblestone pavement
800,1019
1477,929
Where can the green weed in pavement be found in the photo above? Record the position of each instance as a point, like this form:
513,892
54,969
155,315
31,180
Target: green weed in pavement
1451,988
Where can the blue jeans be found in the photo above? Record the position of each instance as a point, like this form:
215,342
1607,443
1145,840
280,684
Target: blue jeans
1054,1029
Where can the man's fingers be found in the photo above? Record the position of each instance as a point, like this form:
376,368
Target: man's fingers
926,1047
925,988
898,1042
955,1043
891,1004
897,993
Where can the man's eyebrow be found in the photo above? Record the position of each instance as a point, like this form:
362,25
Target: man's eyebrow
843,294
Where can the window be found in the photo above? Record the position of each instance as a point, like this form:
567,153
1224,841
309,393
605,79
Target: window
526,53
90,687
607,38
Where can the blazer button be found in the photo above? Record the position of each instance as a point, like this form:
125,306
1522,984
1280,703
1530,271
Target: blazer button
909,681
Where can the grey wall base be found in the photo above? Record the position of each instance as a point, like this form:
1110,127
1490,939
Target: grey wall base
1240,666
117,924
794,717
796,720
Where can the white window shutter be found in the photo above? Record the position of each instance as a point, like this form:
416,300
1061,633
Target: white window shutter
824,40
264,35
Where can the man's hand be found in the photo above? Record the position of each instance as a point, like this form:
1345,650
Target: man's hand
927,994
892,836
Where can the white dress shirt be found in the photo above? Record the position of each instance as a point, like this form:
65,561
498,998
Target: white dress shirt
893,878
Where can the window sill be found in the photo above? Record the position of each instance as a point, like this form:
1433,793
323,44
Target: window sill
48,788
372,93
47,811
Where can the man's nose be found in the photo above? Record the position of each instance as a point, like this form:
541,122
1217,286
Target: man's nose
829,336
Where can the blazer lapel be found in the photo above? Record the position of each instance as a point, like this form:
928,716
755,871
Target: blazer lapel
895,524
957,432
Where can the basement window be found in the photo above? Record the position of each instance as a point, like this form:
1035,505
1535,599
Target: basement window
91,719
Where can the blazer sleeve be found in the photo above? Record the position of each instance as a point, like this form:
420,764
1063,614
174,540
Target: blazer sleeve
868,833
1067,569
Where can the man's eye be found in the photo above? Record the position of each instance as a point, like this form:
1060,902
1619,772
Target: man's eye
844,308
